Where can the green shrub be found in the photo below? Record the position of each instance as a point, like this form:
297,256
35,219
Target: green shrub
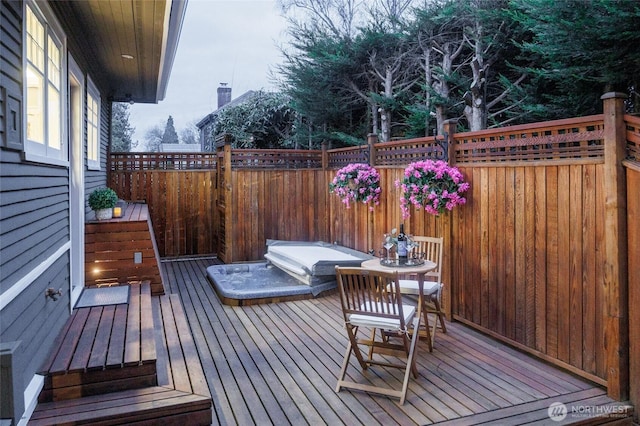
103,198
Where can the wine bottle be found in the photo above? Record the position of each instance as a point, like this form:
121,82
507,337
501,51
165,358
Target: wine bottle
402,245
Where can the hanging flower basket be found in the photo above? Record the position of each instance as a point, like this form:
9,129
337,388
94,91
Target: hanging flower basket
357,182
432,185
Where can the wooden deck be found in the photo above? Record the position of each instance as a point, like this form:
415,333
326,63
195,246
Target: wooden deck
277,364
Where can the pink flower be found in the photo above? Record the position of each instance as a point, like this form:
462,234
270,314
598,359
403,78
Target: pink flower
357,182
432,185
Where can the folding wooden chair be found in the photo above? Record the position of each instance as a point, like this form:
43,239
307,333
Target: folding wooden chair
431,247
372,300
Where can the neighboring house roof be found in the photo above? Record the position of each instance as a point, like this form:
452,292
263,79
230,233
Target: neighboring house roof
237,101
147,30
179,147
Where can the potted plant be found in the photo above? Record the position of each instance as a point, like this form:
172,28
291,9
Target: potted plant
357,182
432,185
102,201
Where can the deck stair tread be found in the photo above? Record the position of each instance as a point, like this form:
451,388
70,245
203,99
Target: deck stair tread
153,378
125,407
102,349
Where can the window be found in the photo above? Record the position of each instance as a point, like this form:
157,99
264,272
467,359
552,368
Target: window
93,126
45,87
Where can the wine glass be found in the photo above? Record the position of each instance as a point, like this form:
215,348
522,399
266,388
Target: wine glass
411,244
388,244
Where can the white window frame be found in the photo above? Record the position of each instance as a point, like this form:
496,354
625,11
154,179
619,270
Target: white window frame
77,106
38,151
93,126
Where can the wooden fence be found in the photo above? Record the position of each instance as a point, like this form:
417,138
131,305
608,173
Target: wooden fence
537,257
181,191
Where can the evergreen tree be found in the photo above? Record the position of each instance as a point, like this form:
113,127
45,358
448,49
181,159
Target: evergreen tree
327,84
266,121
488,63
121,129
170,135
581,50
315,83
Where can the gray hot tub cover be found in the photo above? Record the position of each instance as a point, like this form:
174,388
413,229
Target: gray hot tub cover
312,262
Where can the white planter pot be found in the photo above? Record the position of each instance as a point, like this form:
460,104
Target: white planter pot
104,214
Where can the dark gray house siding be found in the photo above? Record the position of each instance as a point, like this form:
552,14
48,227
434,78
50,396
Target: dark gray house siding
34,229
97,178
10,70
43,189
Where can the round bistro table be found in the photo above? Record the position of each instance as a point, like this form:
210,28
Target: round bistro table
420,271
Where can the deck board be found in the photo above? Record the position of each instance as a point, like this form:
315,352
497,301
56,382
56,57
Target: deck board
70,339
132,340
277,364
212,341
128,407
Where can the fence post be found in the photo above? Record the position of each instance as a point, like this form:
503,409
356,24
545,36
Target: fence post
225,200
615,269
449,127
372,139
450,130
325,156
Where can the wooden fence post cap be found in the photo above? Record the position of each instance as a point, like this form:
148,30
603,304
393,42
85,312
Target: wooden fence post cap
610,95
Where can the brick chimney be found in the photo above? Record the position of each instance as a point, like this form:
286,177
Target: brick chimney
224,95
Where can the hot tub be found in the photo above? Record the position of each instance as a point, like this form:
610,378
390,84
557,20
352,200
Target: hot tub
293,270
312,262
250,283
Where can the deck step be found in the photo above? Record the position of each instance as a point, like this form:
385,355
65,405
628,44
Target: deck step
125,390
152,405
103,349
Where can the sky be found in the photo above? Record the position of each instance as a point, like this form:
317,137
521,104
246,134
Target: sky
222,41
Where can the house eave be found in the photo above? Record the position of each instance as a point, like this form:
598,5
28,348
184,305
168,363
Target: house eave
130,45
